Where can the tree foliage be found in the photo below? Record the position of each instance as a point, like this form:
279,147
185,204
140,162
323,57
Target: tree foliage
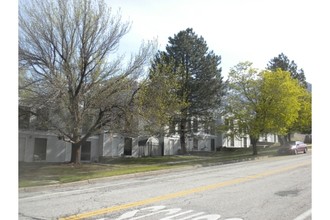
304,122
199,76
262,102
66,48
157,98
283,62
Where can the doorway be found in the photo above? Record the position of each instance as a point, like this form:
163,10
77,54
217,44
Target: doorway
128,146
40,149
86,151
212,144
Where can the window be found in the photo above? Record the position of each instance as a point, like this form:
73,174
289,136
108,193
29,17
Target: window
40,149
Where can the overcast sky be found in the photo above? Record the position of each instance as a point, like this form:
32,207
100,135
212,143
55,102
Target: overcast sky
238,30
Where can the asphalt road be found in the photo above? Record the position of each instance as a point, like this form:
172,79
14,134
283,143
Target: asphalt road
274,188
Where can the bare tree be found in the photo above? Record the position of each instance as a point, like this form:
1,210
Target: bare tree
67,49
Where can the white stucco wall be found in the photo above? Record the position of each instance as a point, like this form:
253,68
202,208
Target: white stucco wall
238,142
110,145
268,138
56,150
171,145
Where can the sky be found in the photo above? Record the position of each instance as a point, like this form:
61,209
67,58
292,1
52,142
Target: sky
237,30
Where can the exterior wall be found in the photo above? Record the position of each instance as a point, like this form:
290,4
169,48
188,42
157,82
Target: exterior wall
56,150
238,142
269,138
153,147
204,145
135,148
113,145
171,145
189,144
199,143
108,145
298,137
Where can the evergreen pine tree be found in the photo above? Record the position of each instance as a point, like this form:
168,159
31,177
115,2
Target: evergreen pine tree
201,83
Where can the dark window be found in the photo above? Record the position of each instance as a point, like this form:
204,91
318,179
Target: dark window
86,151
40,149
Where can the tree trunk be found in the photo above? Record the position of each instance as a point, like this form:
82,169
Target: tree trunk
254,142
280,139
289,137
183,136
283,139
76,153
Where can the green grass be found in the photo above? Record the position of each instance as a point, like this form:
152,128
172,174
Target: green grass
38,174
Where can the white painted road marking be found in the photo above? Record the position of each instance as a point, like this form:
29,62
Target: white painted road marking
304,215
164,213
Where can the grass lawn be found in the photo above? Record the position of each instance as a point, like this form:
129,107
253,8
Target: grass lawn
39,173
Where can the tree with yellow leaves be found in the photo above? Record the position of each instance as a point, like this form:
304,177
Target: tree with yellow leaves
263,101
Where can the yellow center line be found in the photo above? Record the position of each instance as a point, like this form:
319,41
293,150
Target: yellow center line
183,193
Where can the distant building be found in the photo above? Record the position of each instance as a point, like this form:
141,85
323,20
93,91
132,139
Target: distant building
36,143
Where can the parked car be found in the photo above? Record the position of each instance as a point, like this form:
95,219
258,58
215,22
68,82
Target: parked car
293,147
